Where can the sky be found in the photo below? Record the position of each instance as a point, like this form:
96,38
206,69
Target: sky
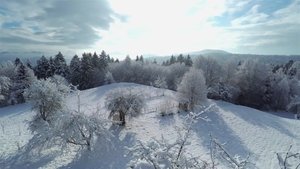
150,27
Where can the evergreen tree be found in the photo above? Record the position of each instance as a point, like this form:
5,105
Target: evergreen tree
22,80
188,61
96,60
17,62
51,67
112,60
142,58
87,72
61,67
108,58
5,85
172,60
167,63
127,60
103,60
180,58
42,70
28,64
102,68
75,71
137,58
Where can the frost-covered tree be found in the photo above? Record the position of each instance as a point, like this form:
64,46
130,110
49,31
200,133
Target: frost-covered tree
109,78
7,74
161,154
160,82
68,127
223,91
192,88
211,70
47,98
80,129
5,84
136,72
251,78
122,104
289,159
281,96
174,75
23,78
229,71
7,69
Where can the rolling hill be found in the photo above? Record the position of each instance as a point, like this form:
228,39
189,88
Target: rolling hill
245,131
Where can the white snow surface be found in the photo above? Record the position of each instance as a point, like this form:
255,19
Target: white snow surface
244,130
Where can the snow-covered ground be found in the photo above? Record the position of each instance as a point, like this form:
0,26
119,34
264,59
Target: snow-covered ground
244,130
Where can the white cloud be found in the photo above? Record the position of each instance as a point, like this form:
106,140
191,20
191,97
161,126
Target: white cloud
64,24
277,33
159,27
253,16
164,27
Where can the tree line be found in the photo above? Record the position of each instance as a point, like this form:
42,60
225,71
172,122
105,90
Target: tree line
247,82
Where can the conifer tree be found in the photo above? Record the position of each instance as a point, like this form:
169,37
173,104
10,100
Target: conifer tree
42,69
75,71
60,64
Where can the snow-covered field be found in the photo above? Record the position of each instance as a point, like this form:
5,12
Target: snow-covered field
244,130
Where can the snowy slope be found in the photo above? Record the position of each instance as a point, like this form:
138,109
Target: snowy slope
244,130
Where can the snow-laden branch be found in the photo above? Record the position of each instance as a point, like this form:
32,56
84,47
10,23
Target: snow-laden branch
288,160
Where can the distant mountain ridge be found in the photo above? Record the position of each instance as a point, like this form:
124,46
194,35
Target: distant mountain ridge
219,55
223,56
24,56
32,56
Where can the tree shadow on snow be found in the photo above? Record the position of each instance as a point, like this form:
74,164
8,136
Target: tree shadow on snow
110,155
15,163
219,130
27,158
14,110
166,120
256,117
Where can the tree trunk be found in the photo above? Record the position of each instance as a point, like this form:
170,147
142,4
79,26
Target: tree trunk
122,118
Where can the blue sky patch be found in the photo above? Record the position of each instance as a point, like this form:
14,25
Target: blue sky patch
3,11
265,6
11,25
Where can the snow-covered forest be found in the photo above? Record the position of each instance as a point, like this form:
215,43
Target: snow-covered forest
146,114
240,81
149,84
